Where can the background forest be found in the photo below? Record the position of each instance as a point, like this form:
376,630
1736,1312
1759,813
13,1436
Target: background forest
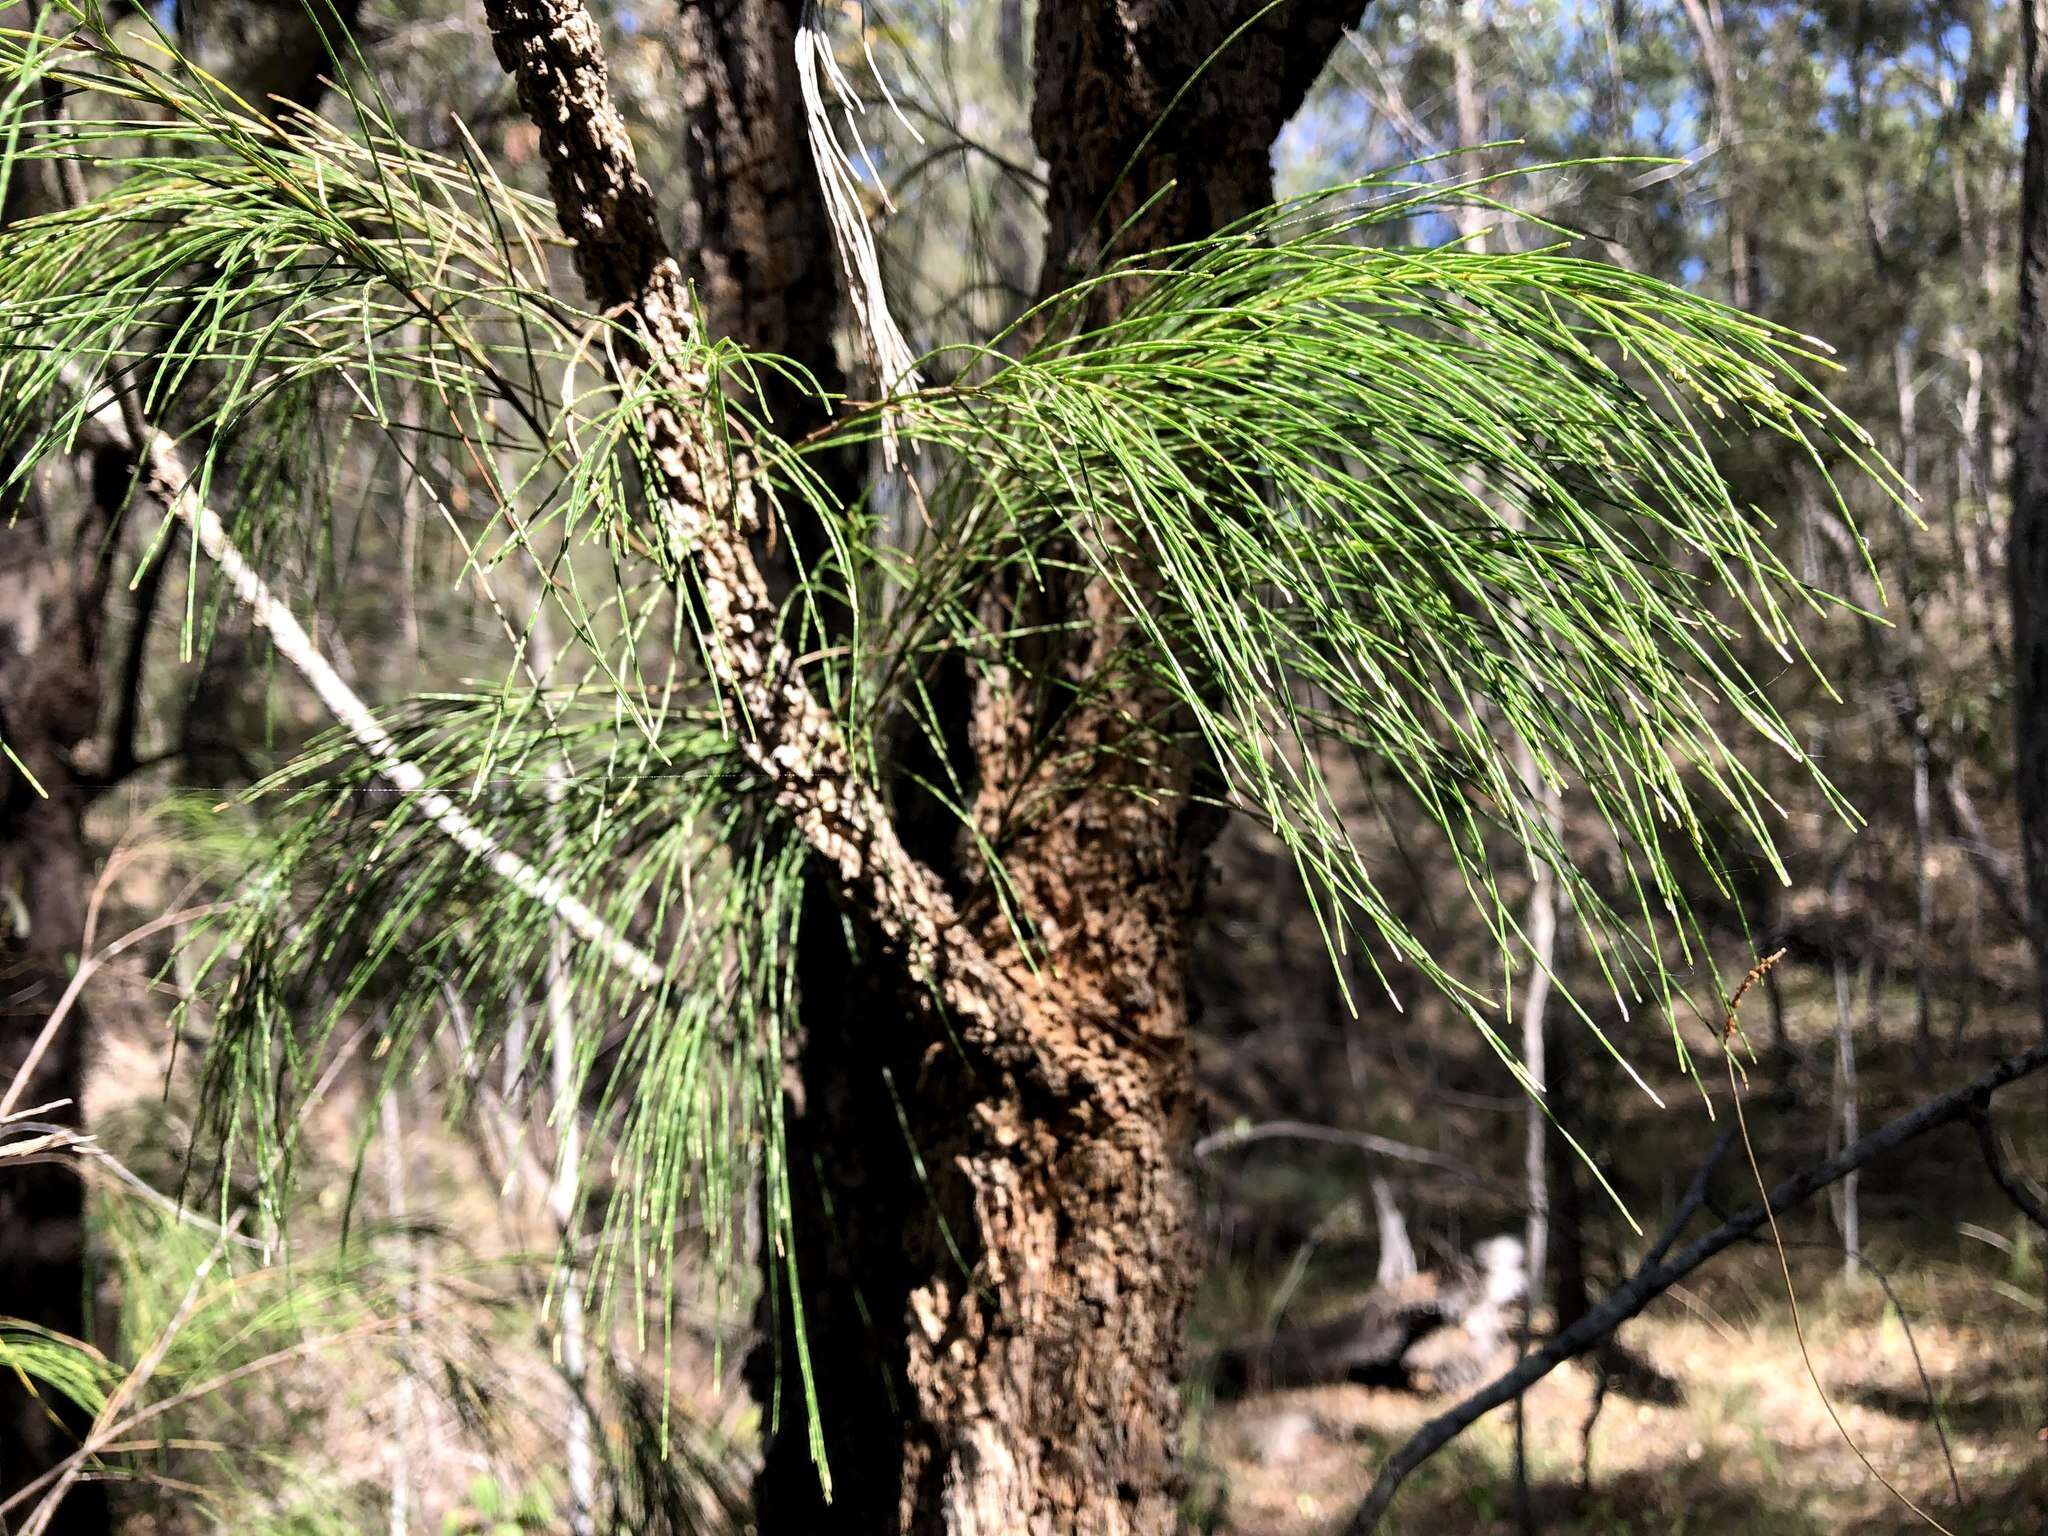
446,1320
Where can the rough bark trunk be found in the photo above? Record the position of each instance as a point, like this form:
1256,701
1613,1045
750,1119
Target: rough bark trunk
992,1254
1137,156
759,252
995,1296
754,229
1044,1377
994,1302
51,585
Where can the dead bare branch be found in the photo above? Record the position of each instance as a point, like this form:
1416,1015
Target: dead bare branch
1656,1274
1994,1158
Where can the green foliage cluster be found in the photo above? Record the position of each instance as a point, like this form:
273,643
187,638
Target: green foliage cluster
1420,503
1356,493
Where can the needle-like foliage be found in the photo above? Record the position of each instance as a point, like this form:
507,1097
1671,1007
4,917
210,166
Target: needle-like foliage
1417,506
1414,505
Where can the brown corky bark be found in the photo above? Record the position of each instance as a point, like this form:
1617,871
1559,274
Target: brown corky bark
997,1261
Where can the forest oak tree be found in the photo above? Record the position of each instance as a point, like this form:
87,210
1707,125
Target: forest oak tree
912,813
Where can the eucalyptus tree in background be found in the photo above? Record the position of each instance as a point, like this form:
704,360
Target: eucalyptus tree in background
872,806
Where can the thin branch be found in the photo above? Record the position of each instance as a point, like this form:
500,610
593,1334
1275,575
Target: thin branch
1655,1274
69,999
49,1143
1695,1196
1330,1135
1994,1158
167,478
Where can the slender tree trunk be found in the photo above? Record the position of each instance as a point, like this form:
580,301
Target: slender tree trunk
1923,890
1541,928
1710,32
565,1082
54,571
1542,931
52,586
1570,1291
2028,543
565,1108
1844,1118
405,1259
1907,394
2027,551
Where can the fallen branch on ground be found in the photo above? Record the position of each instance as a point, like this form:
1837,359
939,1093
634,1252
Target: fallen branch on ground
1656,1274
1302,1130
1371,1342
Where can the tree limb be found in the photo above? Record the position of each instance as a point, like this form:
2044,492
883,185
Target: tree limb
1656,1274
704,497
1994,1159
165,476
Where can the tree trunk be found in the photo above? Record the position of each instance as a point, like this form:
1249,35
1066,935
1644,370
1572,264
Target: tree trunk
1844,1112
994,1299
995,1266
2027,551
2028,545
754,221
52,583
1570,1292
1710,32
51,586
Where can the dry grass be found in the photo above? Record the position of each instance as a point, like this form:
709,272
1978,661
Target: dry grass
1749,1450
